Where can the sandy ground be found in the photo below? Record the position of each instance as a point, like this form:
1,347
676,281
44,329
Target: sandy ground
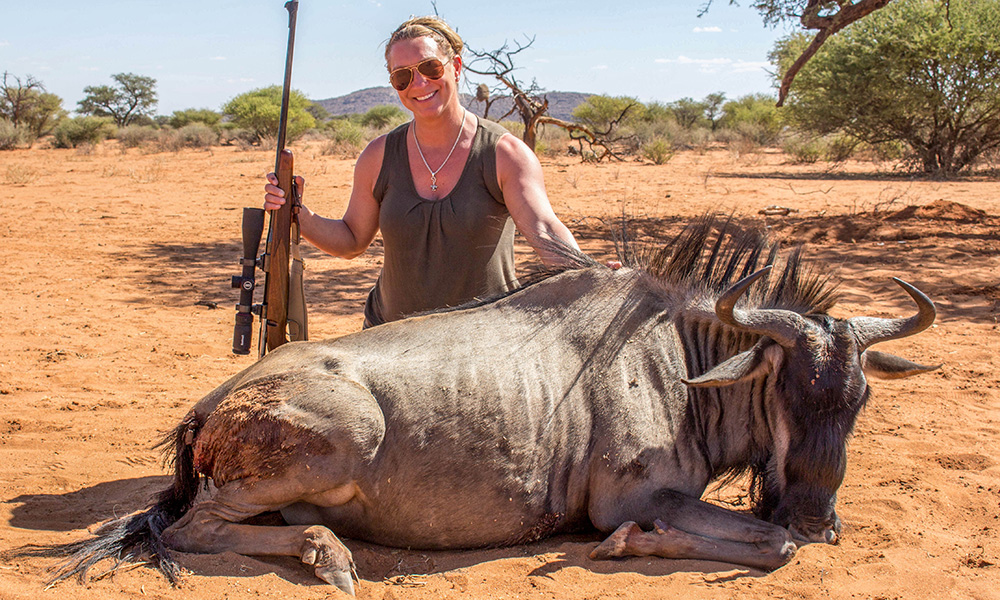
116,316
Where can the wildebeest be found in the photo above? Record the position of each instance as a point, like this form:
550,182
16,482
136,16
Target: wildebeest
594,398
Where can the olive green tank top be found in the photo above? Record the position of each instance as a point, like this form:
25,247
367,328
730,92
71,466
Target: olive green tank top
441,253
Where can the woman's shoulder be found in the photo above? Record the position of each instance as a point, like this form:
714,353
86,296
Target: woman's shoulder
492,129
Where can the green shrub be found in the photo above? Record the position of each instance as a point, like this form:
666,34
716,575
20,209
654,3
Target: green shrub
893,150
259,112
11,136
198,135
345,137
346,131
840,148
71,133
659,151
382,117
804,150
133,136
515,127
753,118
182,118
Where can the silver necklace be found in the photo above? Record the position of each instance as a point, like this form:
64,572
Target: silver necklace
434,172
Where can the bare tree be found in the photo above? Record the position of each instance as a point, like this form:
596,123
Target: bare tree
27,105
18,97
527,102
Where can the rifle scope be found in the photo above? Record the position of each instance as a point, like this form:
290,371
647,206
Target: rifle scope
253,226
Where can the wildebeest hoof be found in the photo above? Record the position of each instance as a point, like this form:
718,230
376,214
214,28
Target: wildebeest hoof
332,560
342,579
616,543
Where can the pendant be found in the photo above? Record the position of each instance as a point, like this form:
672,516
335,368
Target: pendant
434,186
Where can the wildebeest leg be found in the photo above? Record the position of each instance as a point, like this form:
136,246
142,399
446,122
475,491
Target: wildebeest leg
212,526
686,527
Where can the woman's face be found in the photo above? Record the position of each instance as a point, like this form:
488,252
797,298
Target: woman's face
425,97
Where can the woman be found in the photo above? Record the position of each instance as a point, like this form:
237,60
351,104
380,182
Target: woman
445,189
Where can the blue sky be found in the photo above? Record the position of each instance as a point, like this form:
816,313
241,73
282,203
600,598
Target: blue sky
204,53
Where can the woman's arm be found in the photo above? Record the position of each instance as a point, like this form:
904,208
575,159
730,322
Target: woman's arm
520,178
350,235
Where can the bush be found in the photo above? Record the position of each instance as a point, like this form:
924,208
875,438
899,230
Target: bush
169,140
259,112
804,150
71,133
183,118
383,117
198,135
10,136
753,118
659,151
133,136
516,128
345,137
840,148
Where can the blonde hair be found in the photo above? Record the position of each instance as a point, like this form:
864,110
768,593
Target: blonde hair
433,27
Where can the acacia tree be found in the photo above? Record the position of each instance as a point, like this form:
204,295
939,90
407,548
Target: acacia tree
917,72
259,112
27,105
131,97
826,17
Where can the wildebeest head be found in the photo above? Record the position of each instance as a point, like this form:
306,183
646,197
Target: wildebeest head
814,369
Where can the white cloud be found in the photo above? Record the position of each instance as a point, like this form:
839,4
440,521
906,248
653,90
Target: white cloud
4,43
703,62
744,66
599,68
716,65
542,60
218,58
707,30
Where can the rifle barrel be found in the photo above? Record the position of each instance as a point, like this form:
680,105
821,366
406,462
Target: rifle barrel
286,89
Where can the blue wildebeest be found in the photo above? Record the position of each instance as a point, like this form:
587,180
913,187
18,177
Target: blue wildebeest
593,398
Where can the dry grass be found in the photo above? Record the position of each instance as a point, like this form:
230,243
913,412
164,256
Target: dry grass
150,173
18,174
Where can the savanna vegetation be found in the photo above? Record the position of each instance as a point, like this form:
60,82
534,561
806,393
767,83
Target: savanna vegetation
914,81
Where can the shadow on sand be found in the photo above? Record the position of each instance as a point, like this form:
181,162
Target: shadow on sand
82,508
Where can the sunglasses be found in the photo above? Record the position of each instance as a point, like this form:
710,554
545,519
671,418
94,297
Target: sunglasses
431,68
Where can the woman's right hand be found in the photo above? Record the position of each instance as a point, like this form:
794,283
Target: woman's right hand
274,196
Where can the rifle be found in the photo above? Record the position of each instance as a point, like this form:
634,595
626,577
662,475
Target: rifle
282,312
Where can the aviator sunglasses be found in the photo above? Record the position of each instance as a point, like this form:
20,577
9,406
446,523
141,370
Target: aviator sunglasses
431,68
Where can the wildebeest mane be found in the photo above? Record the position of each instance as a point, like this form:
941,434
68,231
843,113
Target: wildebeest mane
710,255
703,260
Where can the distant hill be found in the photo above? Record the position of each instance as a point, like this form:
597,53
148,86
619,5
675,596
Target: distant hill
561,104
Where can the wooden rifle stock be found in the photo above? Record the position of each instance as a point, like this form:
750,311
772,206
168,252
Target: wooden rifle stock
274,317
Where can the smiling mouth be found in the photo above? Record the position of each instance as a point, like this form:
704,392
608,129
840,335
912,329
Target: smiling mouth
425,97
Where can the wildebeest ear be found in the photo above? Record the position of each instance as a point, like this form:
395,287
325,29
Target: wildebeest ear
741,367
889,366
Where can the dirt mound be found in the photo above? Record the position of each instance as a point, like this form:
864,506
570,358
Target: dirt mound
939,209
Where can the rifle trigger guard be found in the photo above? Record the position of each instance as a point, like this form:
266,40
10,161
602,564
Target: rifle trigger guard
296,199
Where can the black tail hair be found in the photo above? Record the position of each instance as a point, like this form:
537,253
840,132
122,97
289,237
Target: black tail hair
128,538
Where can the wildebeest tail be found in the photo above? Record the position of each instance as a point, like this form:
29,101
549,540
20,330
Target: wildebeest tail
126,539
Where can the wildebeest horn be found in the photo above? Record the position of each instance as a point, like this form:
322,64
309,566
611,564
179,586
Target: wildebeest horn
872,330
783,326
